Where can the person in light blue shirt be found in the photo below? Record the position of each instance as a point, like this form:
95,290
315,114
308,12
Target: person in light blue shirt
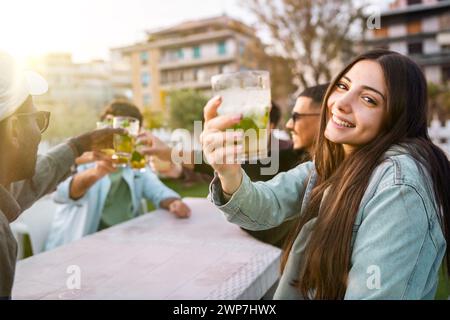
100,195
373,205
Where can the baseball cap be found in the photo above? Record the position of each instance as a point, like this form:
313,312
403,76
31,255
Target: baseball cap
16,84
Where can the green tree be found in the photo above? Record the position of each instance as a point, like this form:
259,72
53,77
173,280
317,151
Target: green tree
67,122
186,106
153,119
281,73
312,35
439,101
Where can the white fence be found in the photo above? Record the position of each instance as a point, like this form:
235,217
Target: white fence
440,134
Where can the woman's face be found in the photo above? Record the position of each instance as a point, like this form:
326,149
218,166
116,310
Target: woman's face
356,106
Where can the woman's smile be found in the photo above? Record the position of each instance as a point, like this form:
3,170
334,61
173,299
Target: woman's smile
341,123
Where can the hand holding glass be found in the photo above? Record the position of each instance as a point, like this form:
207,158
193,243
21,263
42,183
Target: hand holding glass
124,143
247,93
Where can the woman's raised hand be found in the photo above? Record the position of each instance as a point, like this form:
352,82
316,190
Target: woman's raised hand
222,148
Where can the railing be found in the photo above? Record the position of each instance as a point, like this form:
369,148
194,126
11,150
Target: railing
438,133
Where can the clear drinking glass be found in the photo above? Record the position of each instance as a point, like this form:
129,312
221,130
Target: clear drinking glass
102,125
124,143
105,123
138,160
248,93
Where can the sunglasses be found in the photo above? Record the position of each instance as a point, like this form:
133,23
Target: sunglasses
297,116
42,118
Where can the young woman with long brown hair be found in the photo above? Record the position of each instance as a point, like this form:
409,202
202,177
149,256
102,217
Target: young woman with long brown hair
374,204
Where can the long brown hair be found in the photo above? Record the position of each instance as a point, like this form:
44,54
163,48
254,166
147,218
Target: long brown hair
327,257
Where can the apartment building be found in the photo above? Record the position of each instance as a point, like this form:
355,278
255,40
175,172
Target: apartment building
74,84
419,29
186,56
120,75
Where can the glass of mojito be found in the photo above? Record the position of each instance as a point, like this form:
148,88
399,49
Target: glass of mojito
248,93
138,160
107,123
124,144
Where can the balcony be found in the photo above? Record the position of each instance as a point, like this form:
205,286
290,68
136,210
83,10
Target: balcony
204,84
192,39
407,37
443,38
414,11
186,63
432,58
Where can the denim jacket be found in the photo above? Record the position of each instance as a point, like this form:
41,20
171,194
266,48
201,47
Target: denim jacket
77,218
397,242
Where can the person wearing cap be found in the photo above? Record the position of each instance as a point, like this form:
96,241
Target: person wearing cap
24,176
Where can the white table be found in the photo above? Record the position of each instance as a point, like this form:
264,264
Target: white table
156,256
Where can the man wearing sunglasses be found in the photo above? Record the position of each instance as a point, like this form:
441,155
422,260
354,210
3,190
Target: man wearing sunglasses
303,126
304,122
24,176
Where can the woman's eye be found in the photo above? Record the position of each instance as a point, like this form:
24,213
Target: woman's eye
341,85
370,100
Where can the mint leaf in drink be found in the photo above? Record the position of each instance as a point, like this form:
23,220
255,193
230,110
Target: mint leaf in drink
246,124
136,156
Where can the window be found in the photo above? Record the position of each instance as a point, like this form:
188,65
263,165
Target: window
196,52
180,54
412,2
222,48
145,79
444,21
195,72
446,73
415,48
381,33
200,75
164,78
242,46
382,46
144,57
228,68
414,26
147,100
169,56
188,75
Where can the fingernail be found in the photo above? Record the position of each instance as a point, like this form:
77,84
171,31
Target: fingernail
218,97
237,117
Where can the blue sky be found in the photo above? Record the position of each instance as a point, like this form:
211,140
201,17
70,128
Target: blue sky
88,28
